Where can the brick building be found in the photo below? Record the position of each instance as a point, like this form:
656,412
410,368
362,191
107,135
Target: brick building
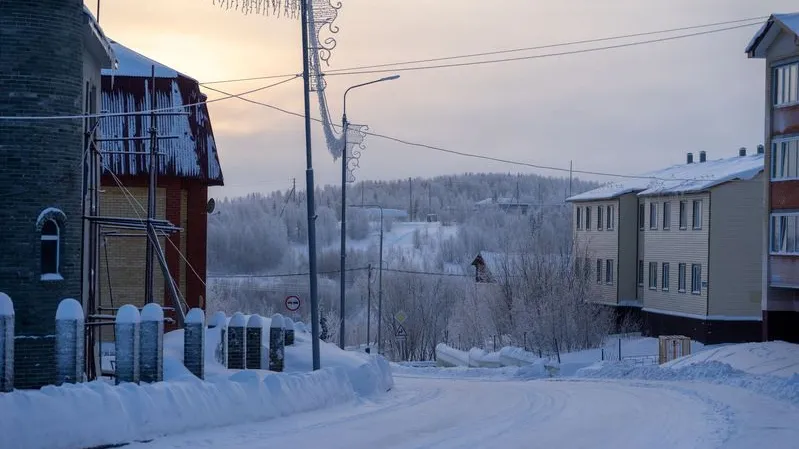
51,54
188,164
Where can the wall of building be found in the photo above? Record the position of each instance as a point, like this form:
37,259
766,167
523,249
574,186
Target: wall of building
599,244
41,163
675,246
735,247
628,248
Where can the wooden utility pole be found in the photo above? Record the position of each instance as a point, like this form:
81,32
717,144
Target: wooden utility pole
410,199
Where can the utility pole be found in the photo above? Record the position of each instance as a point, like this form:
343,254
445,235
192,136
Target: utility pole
570,177
429,199
343,255
410,198
294,190
309,181
369,308
151,196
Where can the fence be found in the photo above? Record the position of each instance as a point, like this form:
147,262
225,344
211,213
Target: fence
138,346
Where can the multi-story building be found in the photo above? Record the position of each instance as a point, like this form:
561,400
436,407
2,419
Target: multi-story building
680,245
777,42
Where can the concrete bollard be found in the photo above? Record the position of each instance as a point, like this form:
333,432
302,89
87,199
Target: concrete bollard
235,341
194,342
276,343
6,343
126,332
151,344
219,321
69,343
288,331
255,329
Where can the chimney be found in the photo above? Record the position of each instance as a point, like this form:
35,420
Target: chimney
742,151
702,156
690,159
760,149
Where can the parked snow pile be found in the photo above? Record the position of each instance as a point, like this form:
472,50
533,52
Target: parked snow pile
765,368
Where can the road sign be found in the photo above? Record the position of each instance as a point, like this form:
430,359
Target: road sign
400,317
401,333
293,303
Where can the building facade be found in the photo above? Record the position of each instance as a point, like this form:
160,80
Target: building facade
777,42
684,245
49,66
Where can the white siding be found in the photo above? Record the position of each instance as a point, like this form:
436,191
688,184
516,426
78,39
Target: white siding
600,244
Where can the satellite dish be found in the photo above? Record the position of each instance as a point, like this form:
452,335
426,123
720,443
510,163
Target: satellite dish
211,206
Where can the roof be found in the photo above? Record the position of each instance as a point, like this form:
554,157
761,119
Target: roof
101,40
191,155
682,178
768,32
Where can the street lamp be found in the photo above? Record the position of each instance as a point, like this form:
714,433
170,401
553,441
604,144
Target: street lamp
345,126
379,288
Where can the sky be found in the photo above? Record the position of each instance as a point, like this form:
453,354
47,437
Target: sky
625,110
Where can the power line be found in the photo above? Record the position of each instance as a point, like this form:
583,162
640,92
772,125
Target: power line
280,275
127,114
504,51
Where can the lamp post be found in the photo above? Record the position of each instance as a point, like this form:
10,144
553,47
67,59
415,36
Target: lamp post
344,160
379,288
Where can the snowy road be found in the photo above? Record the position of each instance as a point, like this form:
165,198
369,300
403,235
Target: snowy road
447,414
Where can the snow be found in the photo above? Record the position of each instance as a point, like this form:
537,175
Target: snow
152,312
50,213
790,21
6,305
681,178
237,320
255,321
277,321
195,316
128,314
218,319
69,309
51,277
776,358
288,323
132,63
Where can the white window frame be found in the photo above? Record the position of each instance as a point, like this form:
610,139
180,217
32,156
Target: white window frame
682,269
666,215
653,215
696,281
609,271
641,216
785,158
653,275
587,218
599,271
683,208
694,215
785,93
600,220
640,272
579,218
665,276
611,218
57,239
783,242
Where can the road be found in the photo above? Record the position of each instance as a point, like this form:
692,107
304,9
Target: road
447,414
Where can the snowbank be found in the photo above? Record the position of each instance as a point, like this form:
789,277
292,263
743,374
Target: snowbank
774,358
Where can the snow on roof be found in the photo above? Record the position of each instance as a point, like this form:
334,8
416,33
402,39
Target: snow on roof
787,22
104,42
132,63
682,178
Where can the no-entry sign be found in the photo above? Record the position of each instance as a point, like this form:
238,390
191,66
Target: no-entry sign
293,303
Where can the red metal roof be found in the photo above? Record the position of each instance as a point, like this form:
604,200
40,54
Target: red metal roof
191,155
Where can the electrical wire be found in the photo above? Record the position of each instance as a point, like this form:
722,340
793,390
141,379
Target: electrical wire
504,51
281,275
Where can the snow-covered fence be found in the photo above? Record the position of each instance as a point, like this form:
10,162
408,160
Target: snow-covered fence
194,342
235,341
151,344
69,350
288,331
219,320
254,334
6,343
276,343
126,332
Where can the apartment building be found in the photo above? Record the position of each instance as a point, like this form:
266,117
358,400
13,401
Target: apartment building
777,42
674,234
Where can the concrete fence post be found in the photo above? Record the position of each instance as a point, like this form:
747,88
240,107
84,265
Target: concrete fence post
194,342
288,331
69,343
6,344
235,341
255,330
276,343
126,332
219,321
151,344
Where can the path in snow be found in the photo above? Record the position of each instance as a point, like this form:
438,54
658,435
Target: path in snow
447,414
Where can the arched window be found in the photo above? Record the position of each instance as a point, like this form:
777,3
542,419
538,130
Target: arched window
51,249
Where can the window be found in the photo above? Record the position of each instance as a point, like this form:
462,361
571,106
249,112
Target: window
653,275
51,251
611,218
579,219
783,234
641,217
653,215
786,84
683,214
640,273
588,218
587,269
697,218
599,221
681,278
609,271
599,271
666,215
785,159
664,277
696,278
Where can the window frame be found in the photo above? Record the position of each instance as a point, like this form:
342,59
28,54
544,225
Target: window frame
780,97
683,213
681,277
784,153
599,218
609,271
45,274
696,280
666,215
665,276
694,204
640,272
779,226
641,216
579,218
611,218
653,215
653,275
599,271
587,218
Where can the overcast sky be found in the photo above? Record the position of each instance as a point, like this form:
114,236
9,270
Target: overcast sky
624,110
